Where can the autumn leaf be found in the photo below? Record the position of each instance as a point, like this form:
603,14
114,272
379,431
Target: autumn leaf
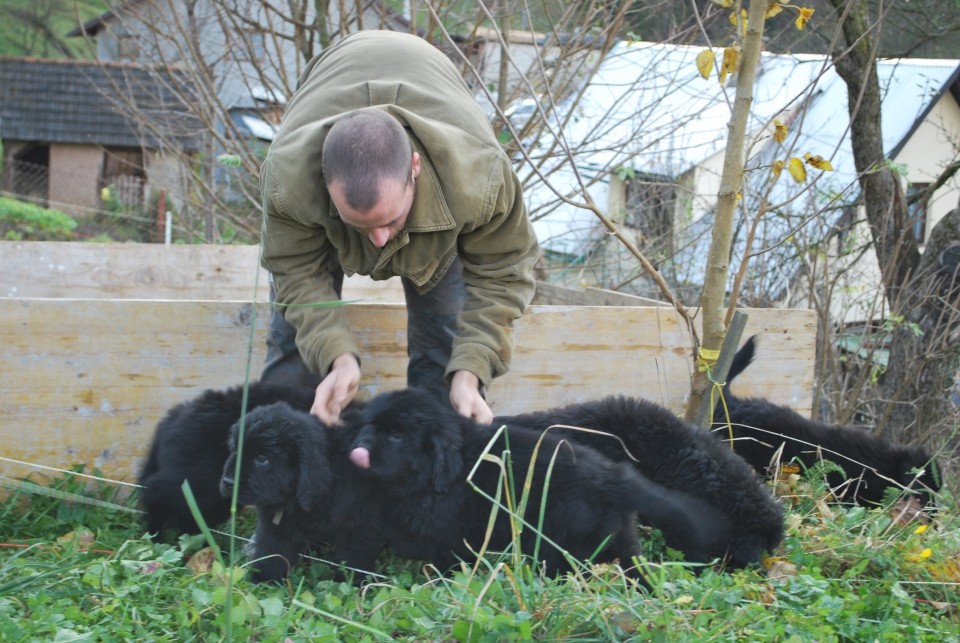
202,561
777,169
803,15
726,4
772,11
81,536
731,56
779,131
705,60
818,162
797,171
742,21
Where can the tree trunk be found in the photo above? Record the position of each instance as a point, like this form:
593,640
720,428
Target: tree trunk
922,292
718,258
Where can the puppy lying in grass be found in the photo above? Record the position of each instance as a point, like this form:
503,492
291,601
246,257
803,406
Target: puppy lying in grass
190,444
297,473
679,456
763,432
428,463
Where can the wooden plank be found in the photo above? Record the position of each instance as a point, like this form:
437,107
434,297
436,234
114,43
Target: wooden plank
152,271
553,295
85,381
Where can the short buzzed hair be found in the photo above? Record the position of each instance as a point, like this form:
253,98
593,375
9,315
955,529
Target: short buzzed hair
363,148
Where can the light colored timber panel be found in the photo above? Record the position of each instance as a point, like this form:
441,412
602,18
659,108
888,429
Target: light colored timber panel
86,381
152,271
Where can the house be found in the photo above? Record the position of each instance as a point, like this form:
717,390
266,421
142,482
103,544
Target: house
251,53
68,131
647,143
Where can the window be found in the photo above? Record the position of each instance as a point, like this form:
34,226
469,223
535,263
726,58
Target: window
650,203
128,47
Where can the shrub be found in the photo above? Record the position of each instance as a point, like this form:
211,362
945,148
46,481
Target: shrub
24,221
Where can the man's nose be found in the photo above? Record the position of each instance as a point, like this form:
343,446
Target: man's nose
379,237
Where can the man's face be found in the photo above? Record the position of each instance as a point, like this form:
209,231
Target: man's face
386,218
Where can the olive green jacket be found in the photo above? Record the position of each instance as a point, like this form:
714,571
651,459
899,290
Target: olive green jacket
468,202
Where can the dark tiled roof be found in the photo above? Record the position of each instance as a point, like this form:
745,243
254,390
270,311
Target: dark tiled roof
88,102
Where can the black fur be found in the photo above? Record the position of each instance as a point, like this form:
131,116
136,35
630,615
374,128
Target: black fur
190,443
871,464
421,452
679,456
297,473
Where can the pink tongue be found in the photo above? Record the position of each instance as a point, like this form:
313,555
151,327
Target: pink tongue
360,457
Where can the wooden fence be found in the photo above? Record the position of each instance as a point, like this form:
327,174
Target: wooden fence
99,340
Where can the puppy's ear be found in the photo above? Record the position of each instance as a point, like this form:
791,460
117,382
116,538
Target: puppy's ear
446,441
314,478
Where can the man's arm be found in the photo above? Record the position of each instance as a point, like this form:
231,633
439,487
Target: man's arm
498,258
297,252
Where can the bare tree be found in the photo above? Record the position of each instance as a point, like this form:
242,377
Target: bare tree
918,383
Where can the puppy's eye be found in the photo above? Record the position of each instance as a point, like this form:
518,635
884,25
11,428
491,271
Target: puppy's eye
395,436
261,461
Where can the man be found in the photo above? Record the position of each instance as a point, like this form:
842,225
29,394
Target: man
385,165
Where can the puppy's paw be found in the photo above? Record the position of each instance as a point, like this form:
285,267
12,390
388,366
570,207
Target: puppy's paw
273,569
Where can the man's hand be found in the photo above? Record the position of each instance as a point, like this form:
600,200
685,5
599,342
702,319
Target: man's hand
465,397
337,389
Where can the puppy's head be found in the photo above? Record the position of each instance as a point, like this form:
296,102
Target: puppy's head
283,459
919,472
410,435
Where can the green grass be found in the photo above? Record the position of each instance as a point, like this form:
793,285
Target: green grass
78,571
20,220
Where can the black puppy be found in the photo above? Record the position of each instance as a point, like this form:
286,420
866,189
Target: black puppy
679,456
297,473
870,464
421,452
190,443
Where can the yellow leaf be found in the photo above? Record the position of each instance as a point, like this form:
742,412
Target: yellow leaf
803,15
705,60
82,537
777,169
772,11
202,561
797,171
726,4
818,162
731,57
742,20
781,569
779,131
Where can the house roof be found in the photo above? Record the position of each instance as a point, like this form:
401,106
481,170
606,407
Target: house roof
649,109
910,87
86,102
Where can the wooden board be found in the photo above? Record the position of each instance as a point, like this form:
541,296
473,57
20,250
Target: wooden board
152,271
86,380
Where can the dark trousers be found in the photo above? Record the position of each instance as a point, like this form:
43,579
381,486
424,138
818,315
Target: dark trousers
431,327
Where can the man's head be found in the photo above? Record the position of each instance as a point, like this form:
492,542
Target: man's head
369,168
